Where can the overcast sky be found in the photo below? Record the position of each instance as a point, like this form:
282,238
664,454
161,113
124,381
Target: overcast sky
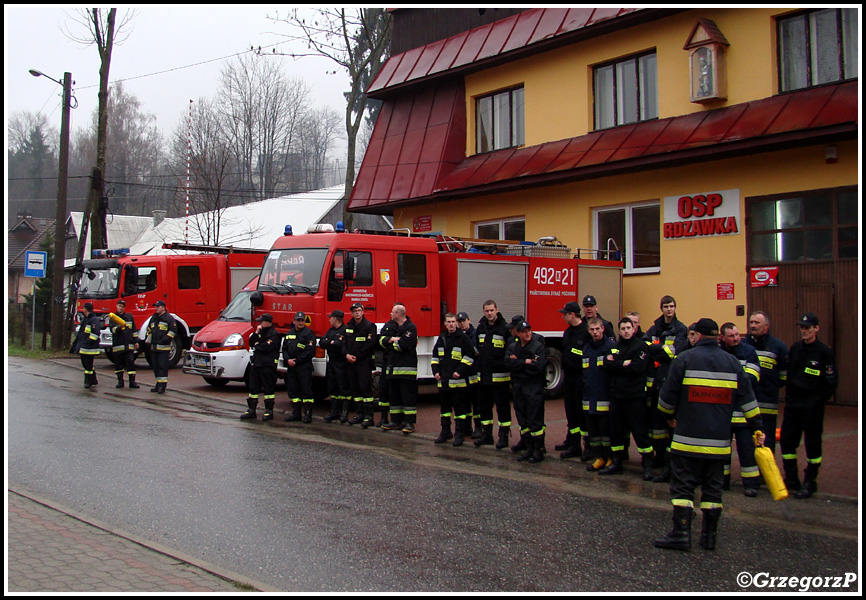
162,38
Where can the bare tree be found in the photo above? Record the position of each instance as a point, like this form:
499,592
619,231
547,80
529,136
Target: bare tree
215,183
32,164
357,40
103,30
319,131
132,167
262,110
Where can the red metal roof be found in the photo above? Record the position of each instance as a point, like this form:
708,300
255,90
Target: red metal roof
417,152
489,42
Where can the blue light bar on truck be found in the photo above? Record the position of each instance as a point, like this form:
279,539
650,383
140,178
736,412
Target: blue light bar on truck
103,253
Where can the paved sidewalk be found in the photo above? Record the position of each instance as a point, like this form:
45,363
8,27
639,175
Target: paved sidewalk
51,551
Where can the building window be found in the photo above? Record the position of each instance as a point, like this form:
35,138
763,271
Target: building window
504,229
817,47
499,121
626,91
820,225
635,231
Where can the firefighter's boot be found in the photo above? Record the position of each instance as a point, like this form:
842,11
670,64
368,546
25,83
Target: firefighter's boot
792,479
119,380
445,433
521,445
665,475
252,403
296,412
132,384
646,461
810,483
460,426
360,411
335,411
344,410
476,432
680,537
708,528
486,438
614,468
369,416
538,449
502,439
308,413
268,415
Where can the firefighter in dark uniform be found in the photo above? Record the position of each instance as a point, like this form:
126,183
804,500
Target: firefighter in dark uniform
773,358
731,343
596,395
482,436
124,345
402,372
526,360
385,334
86,343
360,343
337,374
491,339
265,344
590,311
574,338
299,347
811,383
627,362
452,360
161,332
703,387
667,337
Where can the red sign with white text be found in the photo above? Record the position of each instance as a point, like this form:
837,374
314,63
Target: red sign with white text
764,276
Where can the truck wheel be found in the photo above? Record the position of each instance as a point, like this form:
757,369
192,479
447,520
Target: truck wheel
554,376
175,353
216,382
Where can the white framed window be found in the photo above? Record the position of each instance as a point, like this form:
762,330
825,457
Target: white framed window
502,229
626,91
817,47
499,120
633,229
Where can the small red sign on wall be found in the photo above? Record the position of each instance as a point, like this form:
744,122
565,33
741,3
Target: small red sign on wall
724,291
422,223
764,276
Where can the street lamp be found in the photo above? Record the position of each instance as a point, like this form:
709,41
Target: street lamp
58,333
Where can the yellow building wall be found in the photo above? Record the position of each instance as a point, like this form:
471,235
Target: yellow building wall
690,268
558,84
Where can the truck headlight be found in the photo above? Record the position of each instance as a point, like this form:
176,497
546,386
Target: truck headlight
234,339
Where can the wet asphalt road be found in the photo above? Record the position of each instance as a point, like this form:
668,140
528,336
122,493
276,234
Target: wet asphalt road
304,511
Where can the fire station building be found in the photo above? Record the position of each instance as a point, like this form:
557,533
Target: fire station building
716,149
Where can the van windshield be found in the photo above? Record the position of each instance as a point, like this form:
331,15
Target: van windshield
293,270
238,309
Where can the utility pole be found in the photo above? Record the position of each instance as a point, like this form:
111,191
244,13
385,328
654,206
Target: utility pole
58,315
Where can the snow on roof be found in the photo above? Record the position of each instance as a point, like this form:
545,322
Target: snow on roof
253,225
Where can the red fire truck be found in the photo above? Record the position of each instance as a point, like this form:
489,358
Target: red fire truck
195,287
324,270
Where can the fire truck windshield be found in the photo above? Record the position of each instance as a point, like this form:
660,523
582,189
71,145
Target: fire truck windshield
99,283
293,270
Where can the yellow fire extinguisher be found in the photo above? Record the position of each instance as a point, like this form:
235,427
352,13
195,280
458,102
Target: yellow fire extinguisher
770,471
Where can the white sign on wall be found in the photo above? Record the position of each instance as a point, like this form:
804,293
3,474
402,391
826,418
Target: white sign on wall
702,214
